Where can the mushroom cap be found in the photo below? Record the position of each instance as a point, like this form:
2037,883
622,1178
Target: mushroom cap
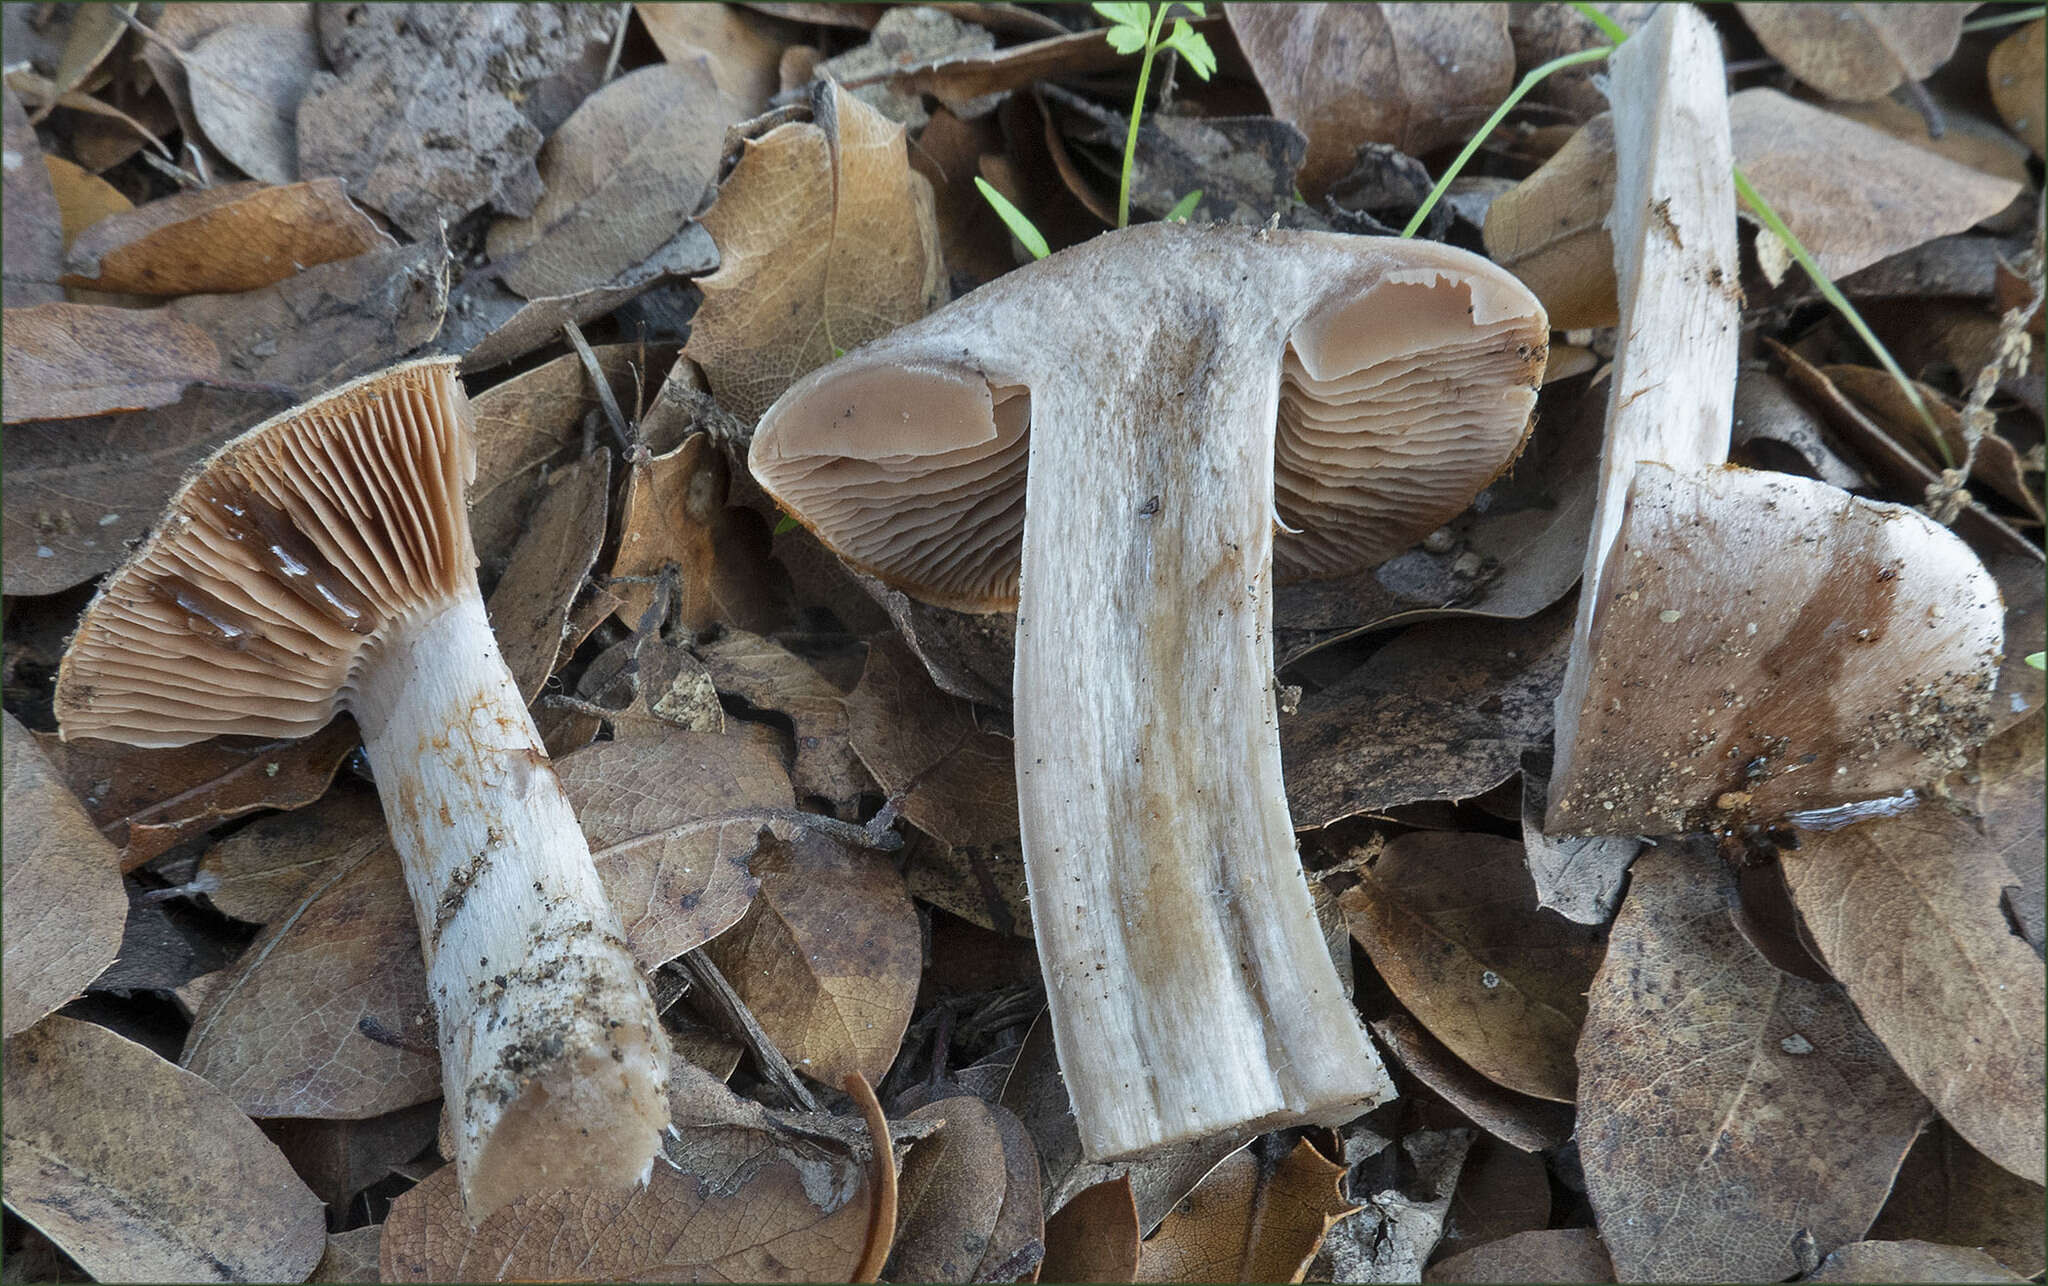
1404,377
289,552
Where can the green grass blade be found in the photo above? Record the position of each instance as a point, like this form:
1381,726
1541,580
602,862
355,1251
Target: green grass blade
2006,19
1840,302
1185,207
1608,26
1020,227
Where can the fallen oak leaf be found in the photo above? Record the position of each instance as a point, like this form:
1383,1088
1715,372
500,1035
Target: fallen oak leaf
219,240
1557,1255
529,607
1094,1237
1857,51
1948,1192
1257,1217
263,870
67,361
163,1181
83,198
1530,1124
29,218
2015,72
1909,1261
969,1198
770,677
246,81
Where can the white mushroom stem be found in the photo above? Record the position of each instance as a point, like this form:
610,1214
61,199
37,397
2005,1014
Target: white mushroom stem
1192,989
551,1047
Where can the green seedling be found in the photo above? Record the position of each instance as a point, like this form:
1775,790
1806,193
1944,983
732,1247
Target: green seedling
1135,26
786,524
2005,19
1014,219
2039,660
1184,208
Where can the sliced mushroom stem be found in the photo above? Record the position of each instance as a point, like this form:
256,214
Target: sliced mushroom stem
1192,989
551,1049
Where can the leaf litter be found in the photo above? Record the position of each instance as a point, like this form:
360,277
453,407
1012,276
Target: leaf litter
799,786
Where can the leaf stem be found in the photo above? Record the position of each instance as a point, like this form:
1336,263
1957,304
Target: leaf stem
1840,302
1123,194
1529,82
2006,19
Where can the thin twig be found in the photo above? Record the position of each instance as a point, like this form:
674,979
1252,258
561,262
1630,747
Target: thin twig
604,386
719,994
611,63
882,1207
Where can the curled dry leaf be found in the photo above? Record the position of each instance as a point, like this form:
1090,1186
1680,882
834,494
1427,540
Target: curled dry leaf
828,957
1551,230
182,26
1726,1107
148,800
2014,70
770,677
246,82
960,778
237,236
338,1159
1094,1237
1452,924
968,1199
1557,1255
30,221
1949,1192
744,49
94,31
1530,1124
162,1180
908,35
1417,77
674,511
77,493
1908,913
649,687
1443,712
1255,1218
529,422
674,823
1580,879
1406,1188
1857,52
529,608
263,870
288,1031
1909,1261
63,888
65,361
83,198
622,175
827,240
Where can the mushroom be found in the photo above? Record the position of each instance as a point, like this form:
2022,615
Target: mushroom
1179,393
321,562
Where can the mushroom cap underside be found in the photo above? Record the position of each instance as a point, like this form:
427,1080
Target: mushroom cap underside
1406,375
289,551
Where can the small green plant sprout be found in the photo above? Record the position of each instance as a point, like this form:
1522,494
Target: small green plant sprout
1135,26
785,524
2039,660
1184,209
1014,219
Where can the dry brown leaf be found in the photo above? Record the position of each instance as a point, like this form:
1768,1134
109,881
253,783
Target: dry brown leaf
1560,1255
1996,468
1528,1123
1452,924
909,733
263,870
1094,1237
351,1256
1255,1218
1857,51
982,884
674,511
530,605
968,1205
419,114
65,361
622,175
828,957
649,687
827,240
63,888
237,236
673,824
94,31
1414,76
328,324
1949,1192
1407,1189
148,800
531,421
1501,1191
972,82
143,1172
83,198
770,677
1909,1261
30,218
1542,32
1580,879
1966,138
1729,1114
1550,230
1445,711
182,26
1853,195
948,152
246,82
284,1034
2014,70
759,1220
1907,913
338,1159
744,49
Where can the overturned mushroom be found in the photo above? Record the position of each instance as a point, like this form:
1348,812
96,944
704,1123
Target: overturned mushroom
1178,392
322,562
